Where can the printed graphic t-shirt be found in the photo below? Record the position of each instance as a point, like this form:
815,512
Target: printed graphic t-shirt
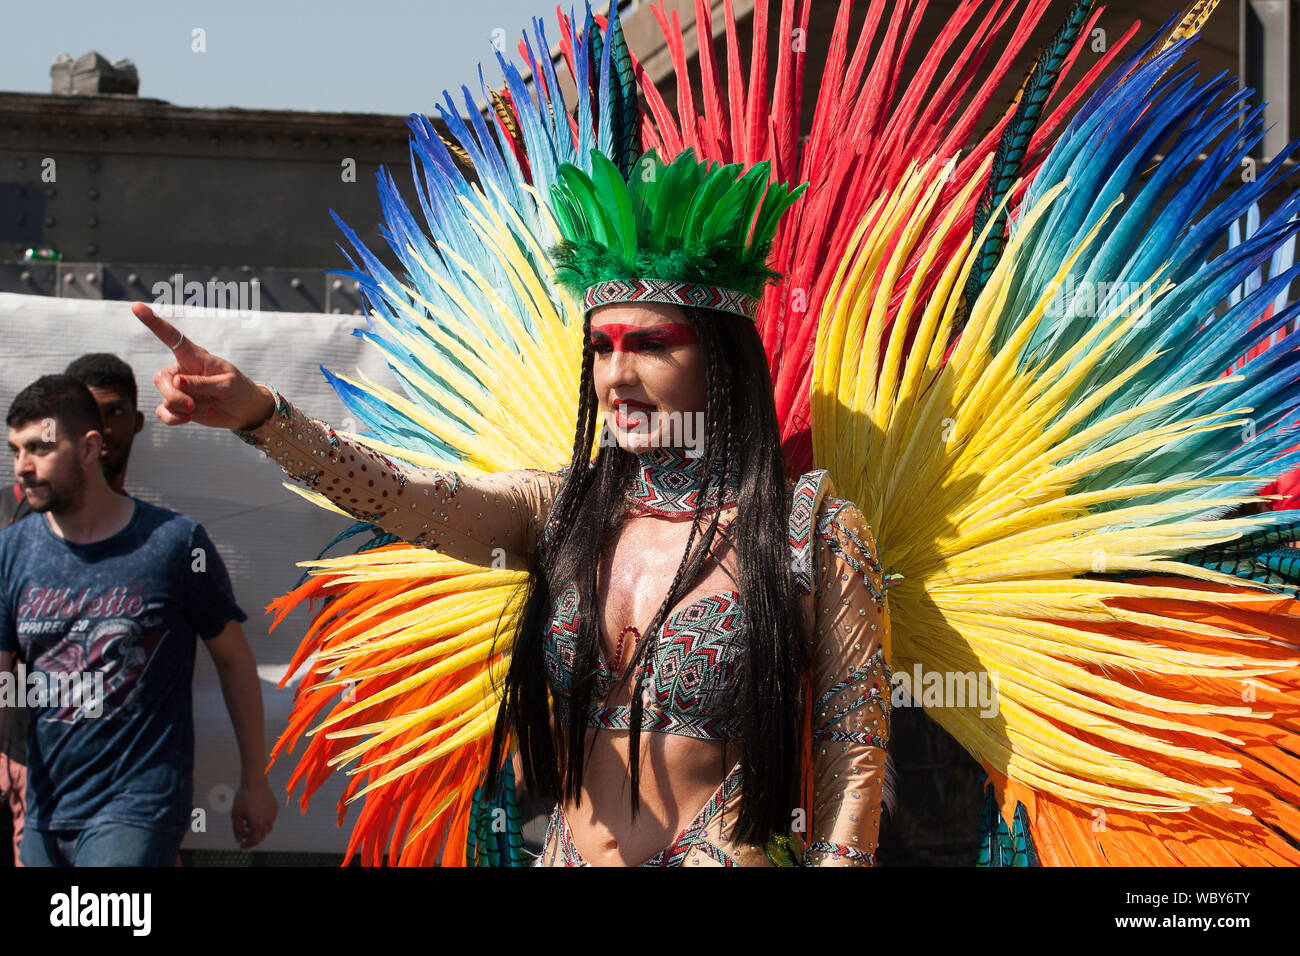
121,613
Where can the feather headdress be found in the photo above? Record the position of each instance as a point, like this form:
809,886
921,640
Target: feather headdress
688,233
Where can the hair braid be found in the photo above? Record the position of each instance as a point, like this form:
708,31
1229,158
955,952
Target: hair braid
717,445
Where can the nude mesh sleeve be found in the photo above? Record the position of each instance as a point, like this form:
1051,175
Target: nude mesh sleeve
493,521
851,691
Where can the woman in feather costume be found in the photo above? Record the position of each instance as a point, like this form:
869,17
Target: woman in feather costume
1047,472
767,629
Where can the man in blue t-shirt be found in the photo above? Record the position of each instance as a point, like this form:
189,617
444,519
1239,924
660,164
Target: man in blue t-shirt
104,594
112,383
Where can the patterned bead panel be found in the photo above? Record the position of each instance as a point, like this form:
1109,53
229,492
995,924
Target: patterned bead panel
560,654
804,501
668,482
692,669
686,294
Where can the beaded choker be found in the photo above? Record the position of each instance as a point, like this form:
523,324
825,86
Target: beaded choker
668,482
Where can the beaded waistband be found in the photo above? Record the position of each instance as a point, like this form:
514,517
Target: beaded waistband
660,721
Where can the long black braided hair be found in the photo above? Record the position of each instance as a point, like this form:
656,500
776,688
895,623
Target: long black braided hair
741,438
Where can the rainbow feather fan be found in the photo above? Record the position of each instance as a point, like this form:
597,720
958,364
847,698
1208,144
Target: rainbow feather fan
1057,475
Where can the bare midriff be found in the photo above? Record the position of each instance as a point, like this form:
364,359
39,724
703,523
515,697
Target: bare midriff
678,776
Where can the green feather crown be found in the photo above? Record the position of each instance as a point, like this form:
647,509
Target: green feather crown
700,227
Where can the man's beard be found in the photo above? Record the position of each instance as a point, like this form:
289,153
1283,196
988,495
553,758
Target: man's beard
63,498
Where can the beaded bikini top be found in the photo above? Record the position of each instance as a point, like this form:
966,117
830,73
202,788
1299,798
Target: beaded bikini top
690,673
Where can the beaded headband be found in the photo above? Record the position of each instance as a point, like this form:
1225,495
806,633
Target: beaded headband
686,294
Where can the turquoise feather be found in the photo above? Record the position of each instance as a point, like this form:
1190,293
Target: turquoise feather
495,834
1000,845
1014,143
442,189
621,115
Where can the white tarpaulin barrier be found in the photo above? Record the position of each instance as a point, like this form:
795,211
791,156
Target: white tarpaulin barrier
236,493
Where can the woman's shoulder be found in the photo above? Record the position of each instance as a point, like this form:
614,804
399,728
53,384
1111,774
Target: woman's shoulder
814,503
838,517
822,523
807,493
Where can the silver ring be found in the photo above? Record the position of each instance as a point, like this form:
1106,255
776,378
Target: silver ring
179,343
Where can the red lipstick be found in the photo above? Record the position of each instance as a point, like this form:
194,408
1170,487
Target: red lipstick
639,417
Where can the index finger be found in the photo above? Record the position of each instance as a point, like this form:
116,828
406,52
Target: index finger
164,331
189,356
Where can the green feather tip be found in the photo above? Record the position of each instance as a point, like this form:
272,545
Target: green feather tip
686,221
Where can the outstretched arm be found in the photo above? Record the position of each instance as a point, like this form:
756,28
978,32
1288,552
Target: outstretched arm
494,520
851,688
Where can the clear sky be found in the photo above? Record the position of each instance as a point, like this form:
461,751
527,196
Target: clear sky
382,56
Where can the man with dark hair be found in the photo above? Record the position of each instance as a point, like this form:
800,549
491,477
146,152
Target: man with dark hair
112,383
13,738
103,594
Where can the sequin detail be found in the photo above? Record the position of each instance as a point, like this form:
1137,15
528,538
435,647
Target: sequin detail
829,527
428,507
873,687
283,413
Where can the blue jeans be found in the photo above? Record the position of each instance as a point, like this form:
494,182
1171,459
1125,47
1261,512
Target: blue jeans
102,844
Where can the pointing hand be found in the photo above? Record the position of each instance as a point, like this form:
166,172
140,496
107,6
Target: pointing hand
202,387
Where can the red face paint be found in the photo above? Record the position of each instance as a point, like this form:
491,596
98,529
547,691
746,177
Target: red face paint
632,338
